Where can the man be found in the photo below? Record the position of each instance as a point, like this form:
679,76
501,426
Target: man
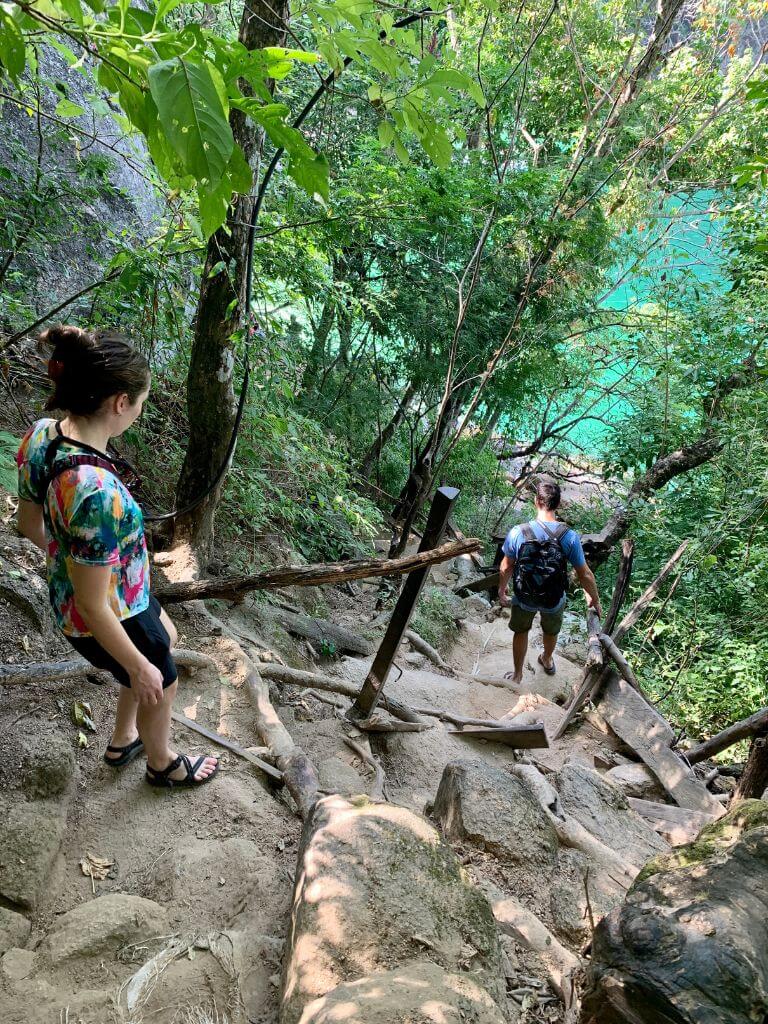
535,557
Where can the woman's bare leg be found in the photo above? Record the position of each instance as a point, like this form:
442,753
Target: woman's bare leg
154,722
125,731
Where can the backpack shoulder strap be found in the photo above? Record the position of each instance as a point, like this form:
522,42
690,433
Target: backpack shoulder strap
527,532
558,532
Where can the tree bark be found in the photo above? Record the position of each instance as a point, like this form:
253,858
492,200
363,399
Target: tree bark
211,402
756,723
374,452
754,781
316,357
233,588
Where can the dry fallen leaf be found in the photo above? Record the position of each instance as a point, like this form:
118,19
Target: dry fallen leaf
96,867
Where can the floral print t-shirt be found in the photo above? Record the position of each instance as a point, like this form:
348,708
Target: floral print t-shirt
90,517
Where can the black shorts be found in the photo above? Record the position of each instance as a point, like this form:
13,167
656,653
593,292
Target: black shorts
147,633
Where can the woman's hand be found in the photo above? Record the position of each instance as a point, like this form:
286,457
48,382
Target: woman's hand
147,683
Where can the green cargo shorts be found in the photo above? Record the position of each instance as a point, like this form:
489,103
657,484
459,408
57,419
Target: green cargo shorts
520,620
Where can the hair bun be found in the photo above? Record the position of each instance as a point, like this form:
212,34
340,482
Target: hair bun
67,341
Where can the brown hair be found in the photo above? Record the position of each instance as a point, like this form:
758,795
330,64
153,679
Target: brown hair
548,495
87,367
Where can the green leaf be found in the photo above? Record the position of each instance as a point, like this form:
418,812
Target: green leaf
437,146
66,108
457,80
311,175
401,152
386,133
165,7
213,207
217,268
188,97
12,49
239,174
73,10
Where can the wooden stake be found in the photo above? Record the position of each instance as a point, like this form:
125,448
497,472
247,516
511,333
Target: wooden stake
369,696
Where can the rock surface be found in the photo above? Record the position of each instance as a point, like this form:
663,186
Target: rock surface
419,993
14,929
636,780
104,923
377,889
690,943
495,810
602,809
30,837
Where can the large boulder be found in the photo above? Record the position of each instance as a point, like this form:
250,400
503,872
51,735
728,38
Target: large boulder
419,993
690,943
376,889
602,808
104,924
14,929
497,811
637,781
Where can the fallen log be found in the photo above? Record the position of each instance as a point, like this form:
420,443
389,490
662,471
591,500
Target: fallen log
641,728
72,668
235,587
321,631
453,531
677,825
742,730
477,586
297,677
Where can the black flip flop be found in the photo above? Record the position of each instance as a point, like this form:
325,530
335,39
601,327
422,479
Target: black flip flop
127,754
161,778
548,669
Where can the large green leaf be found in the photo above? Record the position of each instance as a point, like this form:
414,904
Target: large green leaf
311,175
188,96
12,49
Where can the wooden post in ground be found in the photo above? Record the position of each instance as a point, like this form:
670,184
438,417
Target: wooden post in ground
368,698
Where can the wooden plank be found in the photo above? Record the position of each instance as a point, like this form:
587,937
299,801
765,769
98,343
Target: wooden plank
644,731
368,698
522,737
677,824
477,586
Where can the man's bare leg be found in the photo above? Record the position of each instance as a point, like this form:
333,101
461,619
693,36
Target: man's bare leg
549,643
519,651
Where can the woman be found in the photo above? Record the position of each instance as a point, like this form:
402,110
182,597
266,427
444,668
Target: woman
74,506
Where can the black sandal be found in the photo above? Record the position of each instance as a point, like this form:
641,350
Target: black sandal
127,754
162,780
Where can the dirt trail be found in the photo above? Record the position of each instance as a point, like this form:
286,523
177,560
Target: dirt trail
217,863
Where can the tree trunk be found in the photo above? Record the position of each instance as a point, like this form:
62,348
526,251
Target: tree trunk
374,452
210,393
754,781
316,357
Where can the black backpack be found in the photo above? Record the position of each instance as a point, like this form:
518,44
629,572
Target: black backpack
119,468
541,569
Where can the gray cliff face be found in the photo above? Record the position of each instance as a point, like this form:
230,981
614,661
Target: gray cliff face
69,199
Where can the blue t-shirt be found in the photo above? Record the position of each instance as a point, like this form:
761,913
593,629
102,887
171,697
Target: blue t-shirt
570,542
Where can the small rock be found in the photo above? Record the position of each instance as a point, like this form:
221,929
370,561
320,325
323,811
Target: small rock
274,980
18,964
636,780
336,776
104,923
14,929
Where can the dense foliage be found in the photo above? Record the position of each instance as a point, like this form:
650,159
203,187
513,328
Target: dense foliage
534,231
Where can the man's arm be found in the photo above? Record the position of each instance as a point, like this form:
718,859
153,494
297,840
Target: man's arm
506,569
29,520
587,580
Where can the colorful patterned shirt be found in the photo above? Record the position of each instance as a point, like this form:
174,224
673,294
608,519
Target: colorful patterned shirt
91,518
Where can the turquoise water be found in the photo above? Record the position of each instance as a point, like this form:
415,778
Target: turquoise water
683,246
